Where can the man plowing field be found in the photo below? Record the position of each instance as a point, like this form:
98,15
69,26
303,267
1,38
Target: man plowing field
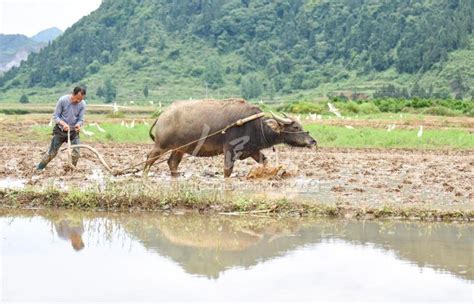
69,118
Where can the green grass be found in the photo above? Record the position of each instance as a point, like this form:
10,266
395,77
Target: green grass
327,136
128,196
342,137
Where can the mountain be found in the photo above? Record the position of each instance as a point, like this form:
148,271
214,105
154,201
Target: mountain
257,49
47,35
15,48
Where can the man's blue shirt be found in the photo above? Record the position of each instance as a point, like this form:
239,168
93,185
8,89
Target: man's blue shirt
70,113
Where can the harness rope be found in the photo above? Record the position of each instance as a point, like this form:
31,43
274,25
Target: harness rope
238,123
69,153
294,132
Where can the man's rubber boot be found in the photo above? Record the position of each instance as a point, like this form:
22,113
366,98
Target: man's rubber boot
40,166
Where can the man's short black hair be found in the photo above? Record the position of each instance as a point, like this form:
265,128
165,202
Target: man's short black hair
79,90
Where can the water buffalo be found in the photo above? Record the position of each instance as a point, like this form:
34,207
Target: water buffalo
187,121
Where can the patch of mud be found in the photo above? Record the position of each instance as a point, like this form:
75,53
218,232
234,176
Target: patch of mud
356,176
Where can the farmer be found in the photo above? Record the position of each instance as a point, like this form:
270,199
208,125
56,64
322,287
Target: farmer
71,228
69,115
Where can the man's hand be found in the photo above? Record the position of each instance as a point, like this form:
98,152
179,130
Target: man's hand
66,127
77,127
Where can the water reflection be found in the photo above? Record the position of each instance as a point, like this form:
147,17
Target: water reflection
70,228
210,245
151,257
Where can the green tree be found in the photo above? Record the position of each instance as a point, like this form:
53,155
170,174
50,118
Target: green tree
458,96
271,90
417,91
213,73
110,91
94,67
100,92
251,86
297,80
458,87
145,91
278,38
24,99
442,94
105,57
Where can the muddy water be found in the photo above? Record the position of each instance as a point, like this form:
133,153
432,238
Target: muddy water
59,256
12,183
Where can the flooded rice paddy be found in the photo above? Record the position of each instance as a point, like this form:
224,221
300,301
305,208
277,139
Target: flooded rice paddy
81,256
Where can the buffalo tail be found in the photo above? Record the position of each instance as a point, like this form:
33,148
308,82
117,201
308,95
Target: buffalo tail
151,129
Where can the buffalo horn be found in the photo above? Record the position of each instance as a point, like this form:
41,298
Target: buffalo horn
285,121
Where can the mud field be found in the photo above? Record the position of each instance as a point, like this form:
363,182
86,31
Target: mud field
355,176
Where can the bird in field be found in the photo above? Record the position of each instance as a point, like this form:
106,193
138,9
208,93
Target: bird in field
334,110
420,131
98,127
88,133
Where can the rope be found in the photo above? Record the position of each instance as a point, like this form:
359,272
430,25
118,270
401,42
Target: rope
69,153
295,132
238,123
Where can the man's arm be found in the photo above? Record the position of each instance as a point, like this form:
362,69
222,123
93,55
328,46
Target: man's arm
80,118
57,115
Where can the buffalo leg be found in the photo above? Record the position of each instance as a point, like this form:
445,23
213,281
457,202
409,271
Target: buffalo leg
259,157
150,160
173,162
229,159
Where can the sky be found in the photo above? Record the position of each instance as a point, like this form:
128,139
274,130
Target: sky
28,17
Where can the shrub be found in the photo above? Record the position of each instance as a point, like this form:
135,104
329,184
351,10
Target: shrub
420,103
24,99
391,104
302,107
459,105
368,108
14,111
440,111
348,107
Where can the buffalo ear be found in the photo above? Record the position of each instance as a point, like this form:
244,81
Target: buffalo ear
274,125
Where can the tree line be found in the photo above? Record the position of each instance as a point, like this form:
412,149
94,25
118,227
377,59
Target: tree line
276,46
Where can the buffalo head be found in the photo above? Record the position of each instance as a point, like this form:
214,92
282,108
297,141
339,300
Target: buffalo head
291,132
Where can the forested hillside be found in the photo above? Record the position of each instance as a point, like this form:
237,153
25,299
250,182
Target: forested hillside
258,49
47,35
